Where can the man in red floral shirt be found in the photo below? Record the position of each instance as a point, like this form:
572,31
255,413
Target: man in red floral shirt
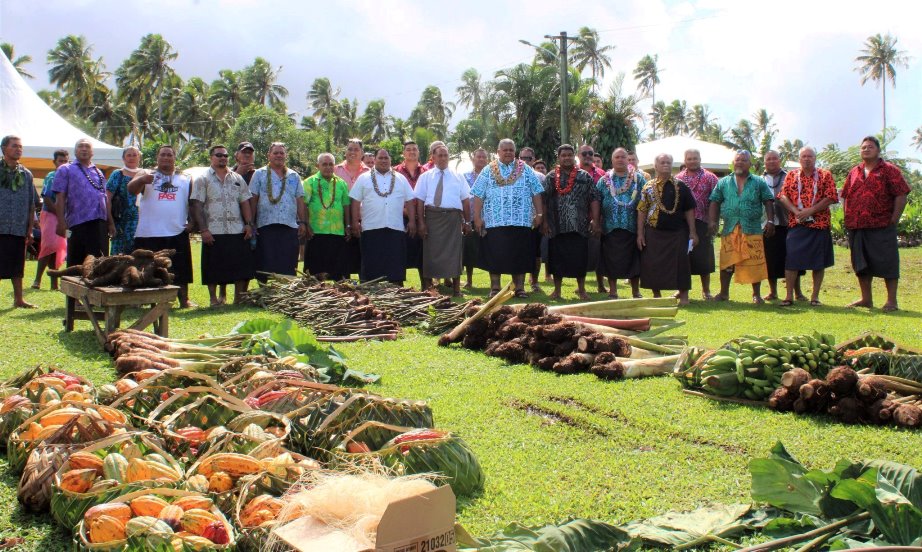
807,194
701,182
874,196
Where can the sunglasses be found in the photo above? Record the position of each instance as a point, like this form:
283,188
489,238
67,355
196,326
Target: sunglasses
220,155
526,158
587,154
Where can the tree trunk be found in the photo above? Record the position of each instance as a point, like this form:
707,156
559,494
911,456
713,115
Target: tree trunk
653,90
883,90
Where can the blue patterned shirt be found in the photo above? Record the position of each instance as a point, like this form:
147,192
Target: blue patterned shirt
620,211
508,205
286,210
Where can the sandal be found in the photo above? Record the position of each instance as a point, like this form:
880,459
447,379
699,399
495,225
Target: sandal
816,303
757,300
786,303
493,293
521,294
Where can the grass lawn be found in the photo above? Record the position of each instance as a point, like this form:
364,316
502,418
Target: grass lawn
551,446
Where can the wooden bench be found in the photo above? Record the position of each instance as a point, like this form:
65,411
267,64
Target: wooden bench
154,302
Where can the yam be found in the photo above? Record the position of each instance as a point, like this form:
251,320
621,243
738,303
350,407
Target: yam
610,371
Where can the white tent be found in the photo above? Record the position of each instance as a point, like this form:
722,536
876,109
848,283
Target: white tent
42,130
714,157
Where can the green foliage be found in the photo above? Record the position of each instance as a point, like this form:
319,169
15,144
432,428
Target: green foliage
263,125
394,146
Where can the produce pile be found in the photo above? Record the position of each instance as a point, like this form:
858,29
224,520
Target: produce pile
856,505
566,340
347,311
142,269
863,380
206,454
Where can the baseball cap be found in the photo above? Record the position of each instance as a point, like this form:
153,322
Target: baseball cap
245,145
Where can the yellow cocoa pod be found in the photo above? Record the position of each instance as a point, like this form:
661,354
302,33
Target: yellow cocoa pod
117,510
81,460
106,529
47,431
148,505
138,470
195,520
159,471
191,542
172,515
60,416
111,415
191,502
73,396
233,464
77,481
220,482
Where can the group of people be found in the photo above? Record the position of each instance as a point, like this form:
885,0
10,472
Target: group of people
368,218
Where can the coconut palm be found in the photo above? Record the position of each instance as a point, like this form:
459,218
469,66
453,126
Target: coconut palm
699,119
112,116
917,139
675,118
18,62
346,124
615,124
192,111
436,109
764,129
73,70
790,150
714,133
260,82
227,94
470,92
878,62
375,123
647,75
587,52
322,97
147,72
742,136
657,113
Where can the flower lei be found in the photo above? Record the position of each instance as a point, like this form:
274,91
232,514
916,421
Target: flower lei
374,182
11,177
571,180
513,176
275,200
615,192
658,199
320,181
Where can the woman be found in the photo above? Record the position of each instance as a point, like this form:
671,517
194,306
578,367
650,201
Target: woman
620,191
53,248
122,205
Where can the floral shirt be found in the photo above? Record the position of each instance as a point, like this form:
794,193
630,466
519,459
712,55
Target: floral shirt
799,189
744,209
326,202
665,211
86,192
569,212
221,201
619,209
508,205
869,199
288,192
701,184
411,177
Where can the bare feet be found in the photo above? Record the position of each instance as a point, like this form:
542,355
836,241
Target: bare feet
36,285
583,295
24,305
801,297
554,295
683,302
889,307
719,297
535,288
758,300
860,303
601,289
468,285
613,295
770,297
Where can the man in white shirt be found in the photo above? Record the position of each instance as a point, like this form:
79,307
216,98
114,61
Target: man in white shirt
163,216
443,197
379,198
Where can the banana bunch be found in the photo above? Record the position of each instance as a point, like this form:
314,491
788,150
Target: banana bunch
752,366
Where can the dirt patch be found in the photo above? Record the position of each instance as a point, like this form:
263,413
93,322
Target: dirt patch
552,417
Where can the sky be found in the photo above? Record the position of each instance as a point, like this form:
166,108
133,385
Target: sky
794,58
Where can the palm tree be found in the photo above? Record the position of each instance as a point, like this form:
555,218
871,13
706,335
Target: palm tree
699,120
322,97
742,136
675,118
227,93
73,70
714,133
917,139
192,112
260,83
470,92
764,129
147,72
658,113
587,52
615,124
347,121
435,108
18,62
375,123
878,63
112,116
790,150
647,75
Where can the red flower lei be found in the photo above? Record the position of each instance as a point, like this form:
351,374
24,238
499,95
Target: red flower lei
571,181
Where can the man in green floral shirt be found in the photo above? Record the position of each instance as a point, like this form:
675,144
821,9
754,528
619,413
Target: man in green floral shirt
738,199
327,198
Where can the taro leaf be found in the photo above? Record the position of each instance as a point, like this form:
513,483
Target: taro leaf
781,481
361,377
575,535
291,337
893,514
905,478
787,526
254,326
691,529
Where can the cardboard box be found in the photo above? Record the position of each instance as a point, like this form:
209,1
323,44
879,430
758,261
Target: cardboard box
424,523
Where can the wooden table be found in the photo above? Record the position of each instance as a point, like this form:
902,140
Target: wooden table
154,302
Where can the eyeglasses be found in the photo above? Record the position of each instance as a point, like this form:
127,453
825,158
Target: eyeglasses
587,153
220,155
526,158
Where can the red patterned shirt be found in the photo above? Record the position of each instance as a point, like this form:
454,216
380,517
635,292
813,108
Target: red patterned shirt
596,172
869,199
412,178
803,197
701,185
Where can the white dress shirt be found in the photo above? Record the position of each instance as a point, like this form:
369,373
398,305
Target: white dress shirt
455,188
382,212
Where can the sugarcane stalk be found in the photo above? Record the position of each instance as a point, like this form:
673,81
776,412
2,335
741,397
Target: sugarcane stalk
458,332
604,307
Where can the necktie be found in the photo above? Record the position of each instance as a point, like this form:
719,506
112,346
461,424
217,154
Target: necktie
437,200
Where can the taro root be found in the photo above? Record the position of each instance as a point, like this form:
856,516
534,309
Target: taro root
847,410
871,391
550,318
799,406
908,415
782,399
558,333
842,380
611,371
511,352
600,343
532,312
491,348
571,364
564,348
793,379
547,363
511,330
881,411
604,358
815,394
474,342
477,327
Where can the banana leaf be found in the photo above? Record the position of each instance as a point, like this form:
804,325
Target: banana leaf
68,507
255,539
575,535
701,527
151,394
243,438
173,543
207,412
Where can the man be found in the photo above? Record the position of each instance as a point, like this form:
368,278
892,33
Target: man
430,161
738,199
775,246
507,207
666,232
81,206
54,247
281,215
471,256
381,200
17,216
527,155
221,211
245,158
701,182
442,206
328,221
411,169
587,163
540,167
356,163
632,161
597,159
807,194
163,216
571,214
873,197
620,191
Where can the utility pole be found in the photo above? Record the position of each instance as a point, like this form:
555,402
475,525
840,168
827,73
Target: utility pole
564,93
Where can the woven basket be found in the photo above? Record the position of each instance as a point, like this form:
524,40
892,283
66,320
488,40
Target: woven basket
207,412
139,403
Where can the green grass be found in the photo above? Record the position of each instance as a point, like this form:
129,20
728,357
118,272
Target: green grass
551,446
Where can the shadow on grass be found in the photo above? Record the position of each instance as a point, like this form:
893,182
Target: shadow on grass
36,315
83,344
